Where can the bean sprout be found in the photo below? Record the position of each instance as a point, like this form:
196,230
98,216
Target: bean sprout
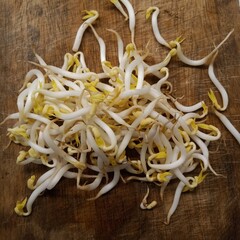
154,11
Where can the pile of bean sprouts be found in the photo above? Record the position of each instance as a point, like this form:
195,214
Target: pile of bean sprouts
81,124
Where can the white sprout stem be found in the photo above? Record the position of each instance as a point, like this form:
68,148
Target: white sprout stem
163,79
136,122
77,114
140,76
35,194
58,81
11,116
128,73
108,187
72,75
164,185
159,66
152,133
29,103
81,30
40,60
44,177
144,204
155,28
131,18
93,185
131,93
82,60
190,115
83,157
109,168
66,60
202,146
53,162
161,119
176,199
58,176
181,177
199,62
75,129
72,85
102,75
57,149
184,125
69,174
117,118
204,150
168,147
176,172
71,93
29,160
191,167
143,157
126,60
192,151
94,146
120,45
209,137
38,118
111,135
188,109
172,165
120,8
127,111
228,125
132,169
158,142
102,86
203,159
101,45
217,84
39,148
30,75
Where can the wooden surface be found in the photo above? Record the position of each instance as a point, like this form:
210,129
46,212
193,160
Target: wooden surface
212,211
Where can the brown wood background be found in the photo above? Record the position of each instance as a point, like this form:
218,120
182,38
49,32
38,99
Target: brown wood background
212,211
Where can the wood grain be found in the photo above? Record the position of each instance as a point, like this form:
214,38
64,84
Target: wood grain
49,28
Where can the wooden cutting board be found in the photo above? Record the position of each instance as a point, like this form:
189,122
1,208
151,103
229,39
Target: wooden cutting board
48,28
